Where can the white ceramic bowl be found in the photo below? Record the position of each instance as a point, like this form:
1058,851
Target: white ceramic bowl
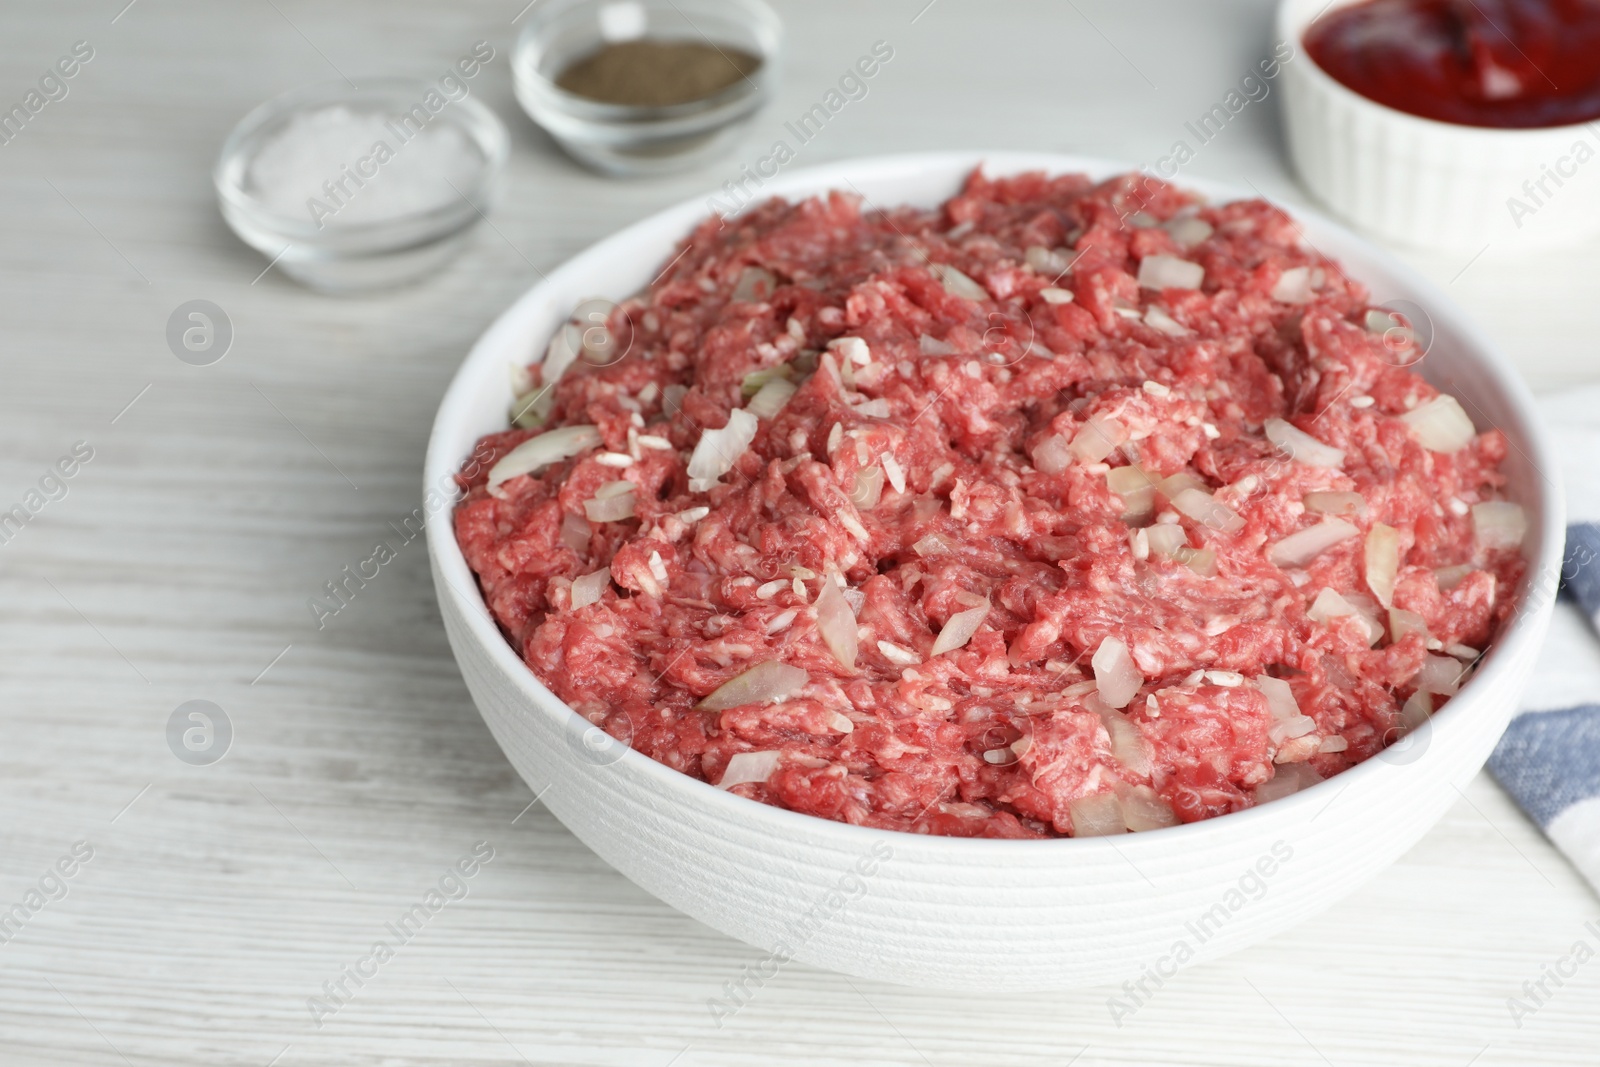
975,914
1427,183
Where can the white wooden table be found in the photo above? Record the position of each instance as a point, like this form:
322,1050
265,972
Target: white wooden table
177,567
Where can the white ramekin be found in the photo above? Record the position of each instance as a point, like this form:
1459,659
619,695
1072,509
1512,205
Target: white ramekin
1431,184
976,914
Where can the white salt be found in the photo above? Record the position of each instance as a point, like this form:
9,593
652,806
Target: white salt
335,166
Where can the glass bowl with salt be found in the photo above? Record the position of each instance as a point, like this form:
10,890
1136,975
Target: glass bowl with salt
638,87
346,189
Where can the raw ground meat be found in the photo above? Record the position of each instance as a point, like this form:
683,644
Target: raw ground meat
947,448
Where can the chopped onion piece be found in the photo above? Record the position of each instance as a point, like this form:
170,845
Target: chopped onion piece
851,350
610,508
958,629
1403,624
1047,261
564,348
1160,321
1301,446
1287,779
770,398
1056,295
898,654
868,489
1170,272
837,623
1165,539
537,453
1447,578
1383,561
1097,439
766,683
958,284
1333,744
1303,546
1289,729
1293,286
1136,489
1174,484
1116,676
1052,456
1203,561
757,379
575,532
588,589
1189,230
1330,503
1440,674
1329,605
1280,697
1144,809
598,346
530,409
749,768
894,472
1099,815
1363,603
1441,425
1414,713
1128,745
1205,509
932,346
754,284
718,450
1499,524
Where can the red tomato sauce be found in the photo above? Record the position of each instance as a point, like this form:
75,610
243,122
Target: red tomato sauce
966,385
1501,63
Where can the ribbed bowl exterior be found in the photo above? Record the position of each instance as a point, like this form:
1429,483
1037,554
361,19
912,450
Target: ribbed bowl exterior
951,913
1433,184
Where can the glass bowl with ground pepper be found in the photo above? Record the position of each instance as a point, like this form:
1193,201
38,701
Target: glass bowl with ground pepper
633,87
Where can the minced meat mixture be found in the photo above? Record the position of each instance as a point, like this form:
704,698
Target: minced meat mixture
1064,508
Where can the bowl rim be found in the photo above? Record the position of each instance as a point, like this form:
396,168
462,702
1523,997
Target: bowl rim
1500,659
480,124
1295,17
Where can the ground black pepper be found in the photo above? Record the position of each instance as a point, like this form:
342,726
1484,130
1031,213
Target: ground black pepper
656,73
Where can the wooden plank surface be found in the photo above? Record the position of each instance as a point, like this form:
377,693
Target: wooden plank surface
220,898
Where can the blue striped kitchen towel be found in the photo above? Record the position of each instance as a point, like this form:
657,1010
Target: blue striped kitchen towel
1549,759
